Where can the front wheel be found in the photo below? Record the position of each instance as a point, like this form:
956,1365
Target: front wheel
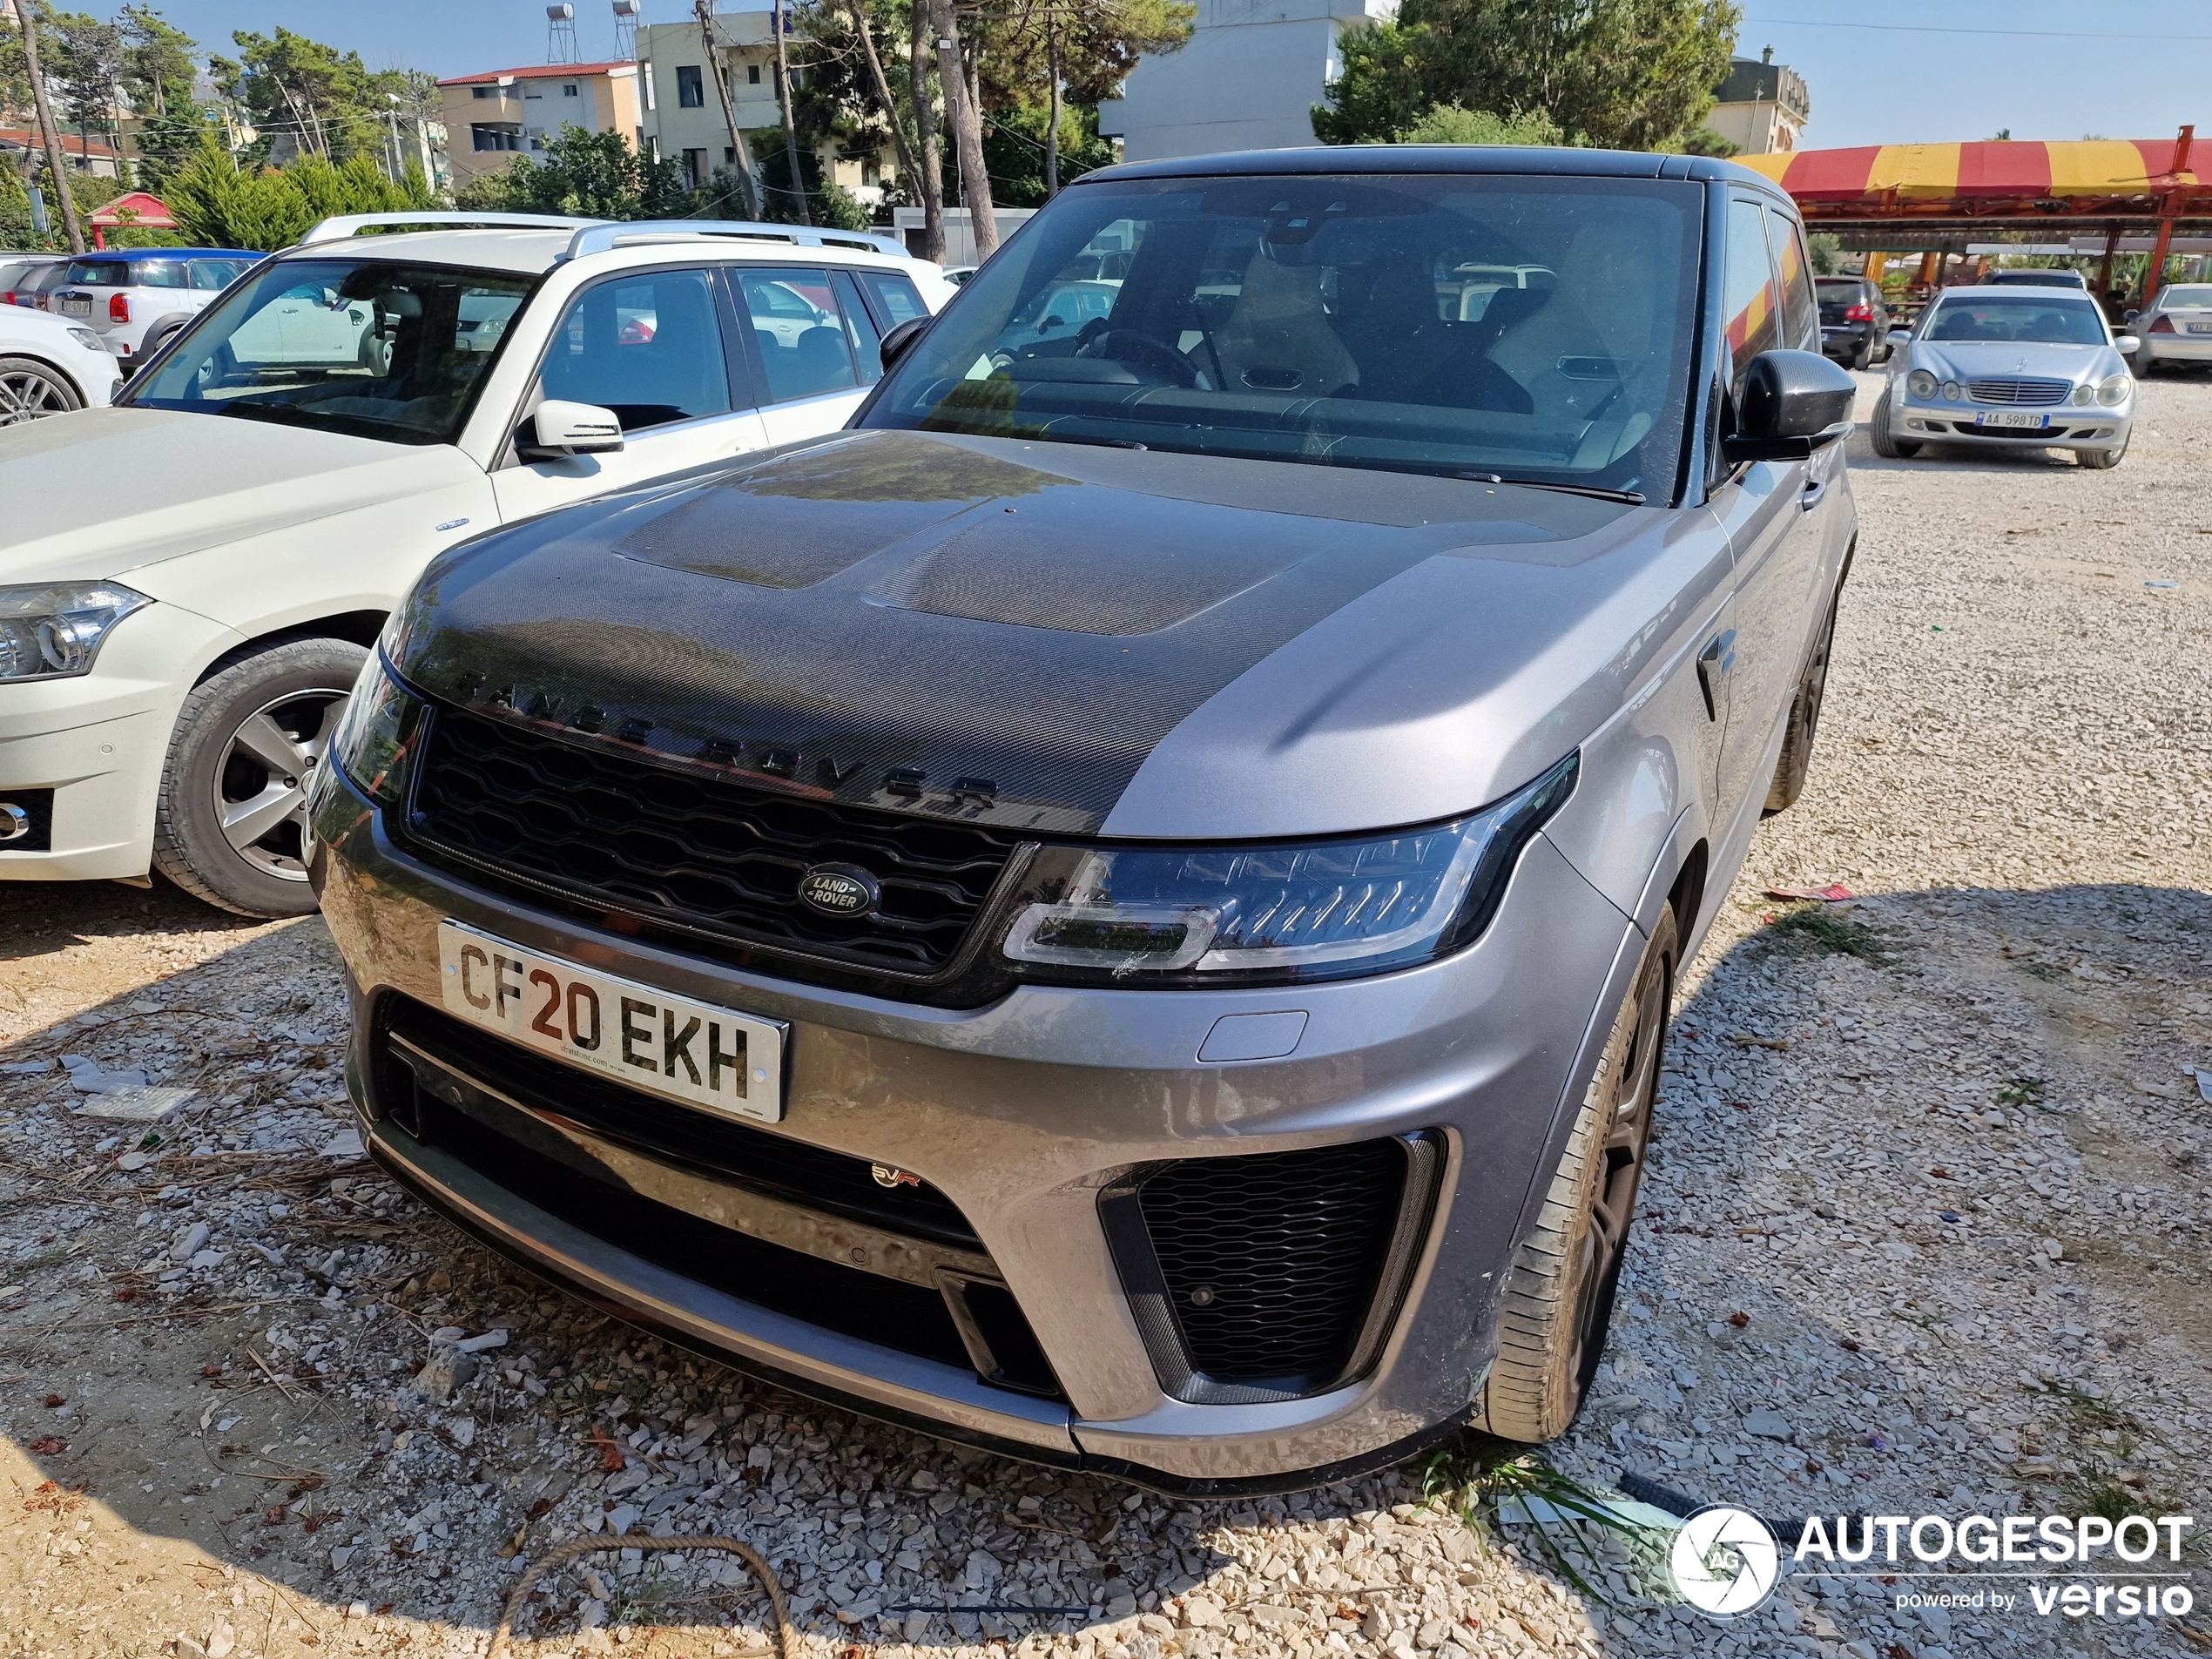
30,391
2101,460
1886,445
1558,1301
231,824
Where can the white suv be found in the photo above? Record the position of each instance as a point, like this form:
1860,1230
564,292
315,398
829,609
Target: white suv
189,580
135,298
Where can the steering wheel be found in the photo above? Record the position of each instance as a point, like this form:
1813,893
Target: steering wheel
1139,350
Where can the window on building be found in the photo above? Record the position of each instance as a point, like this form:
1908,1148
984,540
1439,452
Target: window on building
568,89
729,155
531,91
483,135
483,91
695,167
752,74
690,88
645,81
871,173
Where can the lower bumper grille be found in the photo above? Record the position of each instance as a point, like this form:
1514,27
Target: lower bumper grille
480,1100
1272,1276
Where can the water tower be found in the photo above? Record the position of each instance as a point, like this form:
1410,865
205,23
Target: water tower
626,27
560,35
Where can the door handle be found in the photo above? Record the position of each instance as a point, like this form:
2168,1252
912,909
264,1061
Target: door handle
1815,491
1713,665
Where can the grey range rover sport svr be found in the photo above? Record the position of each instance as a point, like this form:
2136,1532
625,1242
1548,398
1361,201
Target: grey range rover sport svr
1123,907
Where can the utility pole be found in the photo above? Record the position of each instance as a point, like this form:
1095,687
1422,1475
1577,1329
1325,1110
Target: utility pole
749,187
791,130
49,134
967,130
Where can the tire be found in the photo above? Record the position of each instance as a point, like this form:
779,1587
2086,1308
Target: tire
1805,721
29,390
1877,431
253,733
1558,1301
2144,364
2101,460
1863,359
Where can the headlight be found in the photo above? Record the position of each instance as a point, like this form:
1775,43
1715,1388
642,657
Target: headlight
2112,391
2084,395
87,339
1211,916
47,632
1921,384
1951,391
376,733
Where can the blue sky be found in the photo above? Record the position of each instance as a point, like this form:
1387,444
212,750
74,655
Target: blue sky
2047,69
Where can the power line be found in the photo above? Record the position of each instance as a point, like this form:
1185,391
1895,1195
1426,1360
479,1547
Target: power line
1939,29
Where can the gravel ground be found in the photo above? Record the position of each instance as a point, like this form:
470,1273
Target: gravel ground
1924,1235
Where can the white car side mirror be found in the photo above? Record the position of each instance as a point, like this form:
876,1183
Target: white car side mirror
564,429
2126,345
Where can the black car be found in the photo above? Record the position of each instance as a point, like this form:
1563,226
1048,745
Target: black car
1854,325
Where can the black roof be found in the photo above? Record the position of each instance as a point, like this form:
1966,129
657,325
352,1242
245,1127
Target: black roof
1553,162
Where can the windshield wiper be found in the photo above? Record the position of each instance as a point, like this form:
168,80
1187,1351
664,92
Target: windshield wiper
1104,443
1633,498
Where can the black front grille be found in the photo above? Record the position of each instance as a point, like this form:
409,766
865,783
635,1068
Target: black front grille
602,830
722,1147
1269,1268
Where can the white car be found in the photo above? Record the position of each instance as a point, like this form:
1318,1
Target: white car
2177,329
50,366
189,580
2009,367
135,297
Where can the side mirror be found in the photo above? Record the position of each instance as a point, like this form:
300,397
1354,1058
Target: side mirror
1793,404
1900,331
559,428
2126,345
900,341
2130,314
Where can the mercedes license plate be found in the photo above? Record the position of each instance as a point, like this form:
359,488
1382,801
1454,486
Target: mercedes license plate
711,1057
2201,328
2010,418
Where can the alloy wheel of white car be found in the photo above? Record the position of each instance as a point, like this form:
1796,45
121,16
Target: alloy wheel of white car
29,391
261,781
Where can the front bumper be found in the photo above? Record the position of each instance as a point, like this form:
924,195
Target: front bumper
85,754
2067,426
1025,1114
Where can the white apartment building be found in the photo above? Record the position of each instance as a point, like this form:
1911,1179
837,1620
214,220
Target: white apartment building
1248,79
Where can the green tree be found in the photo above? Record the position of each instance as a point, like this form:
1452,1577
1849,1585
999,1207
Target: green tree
592,175
159,76
1624,74
216,203
1449,124
307,98
1014,149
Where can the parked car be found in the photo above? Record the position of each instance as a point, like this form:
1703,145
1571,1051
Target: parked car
2036,279
219,551
34,289
1125,907
2177,328
50,366
1854,323
135,298
17,269
2010,367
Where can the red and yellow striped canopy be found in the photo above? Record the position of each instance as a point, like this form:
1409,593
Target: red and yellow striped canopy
2102,168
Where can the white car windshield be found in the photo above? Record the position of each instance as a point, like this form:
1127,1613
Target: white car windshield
1454,324
364,346
2017,320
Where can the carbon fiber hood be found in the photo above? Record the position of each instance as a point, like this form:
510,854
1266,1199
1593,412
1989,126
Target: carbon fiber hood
941,625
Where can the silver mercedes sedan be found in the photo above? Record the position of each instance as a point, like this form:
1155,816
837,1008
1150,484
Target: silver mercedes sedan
1125,907
2010,367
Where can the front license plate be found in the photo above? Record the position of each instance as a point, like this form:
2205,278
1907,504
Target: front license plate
2011,418
713,1058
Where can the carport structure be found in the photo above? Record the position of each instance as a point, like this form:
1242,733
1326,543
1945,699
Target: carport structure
2118,185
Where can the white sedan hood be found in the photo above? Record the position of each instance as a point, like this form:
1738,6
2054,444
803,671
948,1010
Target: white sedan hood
103,492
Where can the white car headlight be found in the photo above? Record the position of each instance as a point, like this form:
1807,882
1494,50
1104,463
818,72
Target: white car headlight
1921,384
50,632
2112,391
1951,392
2084,395
87,339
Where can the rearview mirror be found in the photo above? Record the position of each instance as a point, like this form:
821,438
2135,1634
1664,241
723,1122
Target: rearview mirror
561,429
1793,404
897,343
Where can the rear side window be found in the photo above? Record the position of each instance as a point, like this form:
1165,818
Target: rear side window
1748,293
859,329
895,296
648,347
211,276
1800,316
799,331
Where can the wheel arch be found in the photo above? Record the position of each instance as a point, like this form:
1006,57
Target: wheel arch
84,397
354,627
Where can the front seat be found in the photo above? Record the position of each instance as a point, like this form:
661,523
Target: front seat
1278,337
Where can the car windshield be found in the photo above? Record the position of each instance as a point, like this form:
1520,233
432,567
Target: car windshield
1505,326
358,345
2017,320
2186,296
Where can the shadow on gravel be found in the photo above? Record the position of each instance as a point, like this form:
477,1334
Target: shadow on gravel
1837,1130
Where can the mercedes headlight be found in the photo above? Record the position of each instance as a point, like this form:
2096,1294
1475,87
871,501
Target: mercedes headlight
1157,916
2112,391
376,733
1921,384
49,632
1951,391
